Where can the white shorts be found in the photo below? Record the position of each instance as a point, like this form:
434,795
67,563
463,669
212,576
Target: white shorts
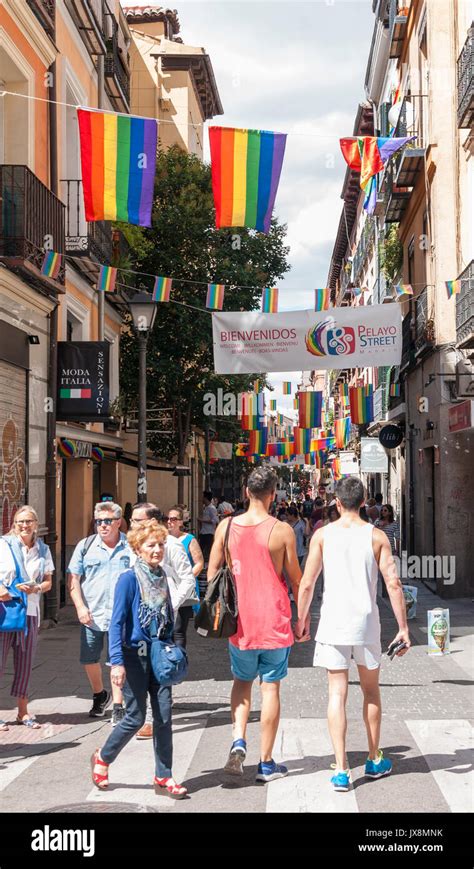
339,657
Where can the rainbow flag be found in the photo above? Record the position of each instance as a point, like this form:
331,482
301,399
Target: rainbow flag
280,419
106,280
296,403
251,417
215,296
453,288
342,429
246,167
258,442
344,394
256,386
369,155
302,438
118,156
357,291
286,387
404,289
395,390
361,399
270,300
336,468
51,264
273,404
309,410
322,298
162,289
318,444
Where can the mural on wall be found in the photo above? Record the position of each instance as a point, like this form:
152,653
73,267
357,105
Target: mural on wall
12,473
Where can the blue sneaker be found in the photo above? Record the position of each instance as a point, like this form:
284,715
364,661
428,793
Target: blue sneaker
237,755
341,780
269,771
378,768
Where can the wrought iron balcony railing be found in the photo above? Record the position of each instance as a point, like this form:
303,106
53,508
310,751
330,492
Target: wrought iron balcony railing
29,214
90,18
465,81
407,342
424,323
397,24
465,309
45,12
117,76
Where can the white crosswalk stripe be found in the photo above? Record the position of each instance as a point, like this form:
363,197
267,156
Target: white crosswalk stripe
447,746
11,769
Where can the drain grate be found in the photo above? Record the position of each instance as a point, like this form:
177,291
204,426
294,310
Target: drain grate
101,809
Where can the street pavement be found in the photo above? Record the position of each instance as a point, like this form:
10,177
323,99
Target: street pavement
426,731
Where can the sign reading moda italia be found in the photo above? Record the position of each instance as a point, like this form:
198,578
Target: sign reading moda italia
340,338
83,380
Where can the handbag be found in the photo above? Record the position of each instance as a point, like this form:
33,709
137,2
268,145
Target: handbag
13,612
169,662
217,615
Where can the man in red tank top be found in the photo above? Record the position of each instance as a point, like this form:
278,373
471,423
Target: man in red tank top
260,548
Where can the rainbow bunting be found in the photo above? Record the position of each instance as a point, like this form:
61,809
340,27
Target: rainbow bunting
106,280
215,296
342,429
302,438
286,387
322,298
118,156
258,442
270,300
369,155
273,404
309,409
453,288
51,264
296,403
404,289
361,399
395,390
256,386
280,419
162,289
253,413
246,167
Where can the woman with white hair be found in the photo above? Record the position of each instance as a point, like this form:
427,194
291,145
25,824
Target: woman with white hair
26,565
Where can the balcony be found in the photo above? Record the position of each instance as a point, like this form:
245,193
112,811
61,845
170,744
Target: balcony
397,25
117,76
396,198
89,244
89,17
364,247
465,78
465,309
29,213
379,292
45,12
424,324
412,121
407,343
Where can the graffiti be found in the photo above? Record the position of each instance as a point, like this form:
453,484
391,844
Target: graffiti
12,474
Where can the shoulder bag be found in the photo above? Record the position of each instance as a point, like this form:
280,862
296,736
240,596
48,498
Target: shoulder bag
169,662
217,615
13,612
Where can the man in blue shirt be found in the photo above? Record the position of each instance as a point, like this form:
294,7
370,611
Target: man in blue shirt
94,569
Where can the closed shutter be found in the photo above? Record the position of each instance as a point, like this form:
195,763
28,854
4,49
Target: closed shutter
12,441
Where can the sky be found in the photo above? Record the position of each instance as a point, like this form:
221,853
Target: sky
296,68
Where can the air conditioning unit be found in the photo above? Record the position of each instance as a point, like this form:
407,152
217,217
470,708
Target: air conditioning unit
464,385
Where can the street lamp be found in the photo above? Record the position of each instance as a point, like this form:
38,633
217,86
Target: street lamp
143,310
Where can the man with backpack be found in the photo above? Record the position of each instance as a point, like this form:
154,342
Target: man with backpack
307,507
94,569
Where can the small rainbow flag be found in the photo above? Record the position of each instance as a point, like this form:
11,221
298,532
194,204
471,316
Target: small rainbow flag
106,280
395,390
342,429
302,438
361,399
118,156
404,289
51,264
251,417
273,404
215,296
162,289
280,419
286,387
322,298
336,468
296,403
246,167
256,386
258,442
453,288
310,407
270,300
357,291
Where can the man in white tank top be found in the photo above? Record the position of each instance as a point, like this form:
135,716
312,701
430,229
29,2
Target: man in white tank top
351,552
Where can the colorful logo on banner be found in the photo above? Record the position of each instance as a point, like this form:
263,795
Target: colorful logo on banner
327,339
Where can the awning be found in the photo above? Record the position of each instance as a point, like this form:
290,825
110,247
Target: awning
131,459
93,437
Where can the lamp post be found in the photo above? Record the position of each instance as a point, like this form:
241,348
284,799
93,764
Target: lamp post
143,311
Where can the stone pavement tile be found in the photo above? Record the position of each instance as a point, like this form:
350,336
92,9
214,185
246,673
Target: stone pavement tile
448,749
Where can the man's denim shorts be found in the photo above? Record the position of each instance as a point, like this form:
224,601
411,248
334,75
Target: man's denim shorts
270,664
92,643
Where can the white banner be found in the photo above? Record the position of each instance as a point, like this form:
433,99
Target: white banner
220,450
250,342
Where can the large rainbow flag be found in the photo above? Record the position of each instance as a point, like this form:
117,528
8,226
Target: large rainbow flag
118,156
369,155
361,399
309,409
251,417
302,437
342,431
246,167
258,442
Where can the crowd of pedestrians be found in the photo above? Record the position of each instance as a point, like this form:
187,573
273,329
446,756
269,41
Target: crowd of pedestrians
135,579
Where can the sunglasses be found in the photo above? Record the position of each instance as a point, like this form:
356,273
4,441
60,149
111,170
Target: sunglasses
105,521
172,519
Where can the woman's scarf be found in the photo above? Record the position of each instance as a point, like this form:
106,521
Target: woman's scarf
154,594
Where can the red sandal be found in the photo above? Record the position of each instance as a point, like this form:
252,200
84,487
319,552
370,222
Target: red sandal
169,785
100,780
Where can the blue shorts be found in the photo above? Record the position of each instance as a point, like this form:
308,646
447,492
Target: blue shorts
270,664
92,643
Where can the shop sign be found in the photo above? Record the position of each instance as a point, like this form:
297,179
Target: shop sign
373,458
72,449
83,381
461,416
391,436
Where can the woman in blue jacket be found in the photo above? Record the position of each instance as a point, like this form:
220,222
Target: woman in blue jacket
141,596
